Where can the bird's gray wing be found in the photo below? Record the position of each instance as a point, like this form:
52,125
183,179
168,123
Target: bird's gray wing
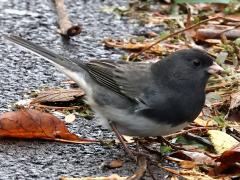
126,78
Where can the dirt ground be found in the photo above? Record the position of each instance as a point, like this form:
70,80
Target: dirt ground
22,72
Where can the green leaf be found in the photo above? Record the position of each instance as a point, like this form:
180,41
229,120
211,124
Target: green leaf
221,57
211,98
185,141
237,42
220,120
165,149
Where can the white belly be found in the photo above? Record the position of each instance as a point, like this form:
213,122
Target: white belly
132,125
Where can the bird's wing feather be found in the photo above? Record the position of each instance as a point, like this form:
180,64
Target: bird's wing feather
126,78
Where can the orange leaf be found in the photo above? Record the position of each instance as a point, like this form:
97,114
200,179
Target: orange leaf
229,160
35,124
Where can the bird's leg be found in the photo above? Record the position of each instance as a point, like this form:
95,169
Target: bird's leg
120,138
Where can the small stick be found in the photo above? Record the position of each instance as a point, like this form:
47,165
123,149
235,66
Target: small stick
180,31
189,130
66,27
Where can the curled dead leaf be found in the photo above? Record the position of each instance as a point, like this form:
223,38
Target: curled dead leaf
228,162
35,124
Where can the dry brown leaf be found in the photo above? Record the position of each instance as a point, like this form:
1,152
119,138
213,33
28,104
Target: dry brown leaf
215,33
58,95
235,101
228,161
136,46
116,163
187,164
199,121
31,124
189,174
196,157
231,156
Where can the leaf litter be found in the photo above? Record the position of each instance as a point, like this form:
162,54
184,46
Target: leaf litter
198,26
31,119
194,25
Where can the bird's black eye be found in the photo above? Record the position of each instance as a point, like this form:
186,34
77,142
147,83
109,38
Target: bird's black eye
196,62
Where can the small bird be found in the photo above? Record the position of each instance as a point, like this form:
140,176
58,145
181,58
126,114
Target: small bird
139,99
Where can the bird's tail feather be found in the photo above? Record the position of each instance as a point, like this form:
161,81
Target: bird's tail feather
57,60
74,70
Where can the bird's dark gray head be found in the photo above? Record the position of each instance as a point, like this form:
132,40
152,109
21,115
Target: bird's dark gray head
191,67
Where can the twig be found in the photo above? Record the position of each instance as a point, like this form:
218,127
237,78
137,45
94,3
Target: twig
180,31
188,130
83,141
142,162
200,139
66,27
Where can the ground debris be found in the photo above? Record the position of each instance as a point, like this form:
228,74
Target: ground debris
66,27
58,95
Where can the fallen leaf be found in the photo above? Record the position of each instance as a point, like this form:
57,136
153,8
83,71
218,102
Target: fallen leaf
228,161
129,45
235,101
31,124
212,98
187,164
58,95
197,157
230,156
117,163
189,174
199,121
214,33
70,118
221,141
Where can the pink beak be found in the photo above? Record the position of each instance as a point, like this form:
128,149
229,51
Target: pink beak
215,69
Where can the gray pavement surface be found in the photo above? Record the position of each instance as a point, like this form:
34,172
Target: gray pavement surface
21,72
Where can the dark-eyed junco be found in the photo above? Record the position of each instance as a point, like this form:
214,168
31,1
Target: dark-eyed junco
141,99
